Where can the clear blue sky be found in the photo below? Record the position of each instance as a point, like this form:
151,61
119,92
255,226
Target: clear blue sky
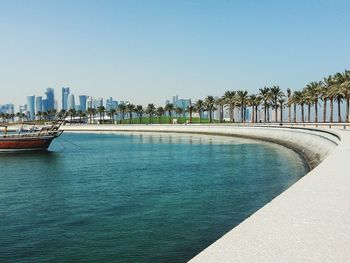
146,51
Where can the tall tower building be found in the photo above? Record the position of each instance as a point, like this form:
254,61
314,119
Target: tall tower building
39,104
45,105
71,102
31,107
65,93
50,96
82,100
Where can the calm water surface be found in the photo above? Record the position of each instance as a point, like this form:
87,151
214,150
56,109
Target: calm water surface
134,198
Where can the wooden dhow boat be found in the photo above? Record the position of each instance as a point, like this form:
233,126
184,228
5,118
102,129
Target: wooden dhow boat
30,140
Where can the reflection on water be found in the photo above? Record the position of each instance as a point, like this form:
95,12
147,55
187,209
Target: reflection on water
134,197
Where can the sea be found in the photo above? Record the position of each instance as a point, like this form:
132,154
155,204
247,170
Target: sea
133,197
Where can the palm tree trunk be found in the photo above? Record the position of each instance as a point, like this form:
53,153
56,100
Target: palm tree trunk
233,113
302,112
308,112
347,108
281,114
253,113
324,109
295,112
339,113
331,110
289,111
242,112
221,113
256,113
265,111
316,111
268,114
276,110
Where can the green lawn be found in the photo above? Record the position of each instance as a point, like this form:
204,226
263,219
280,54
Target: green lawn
163,120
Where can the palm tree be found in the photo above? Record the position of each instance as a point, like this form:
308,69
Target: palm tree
169,108
345,90
160,112
80,115
111,114
266,95
308,101
150,110
130,109
139,110
101,111
324,97
258,100
330,95
297,99
199,106
276,93
252,102
242,96
281,101
178,111
122,108
91,112
72,114
209,105
190,109
230,99
335,90
313,91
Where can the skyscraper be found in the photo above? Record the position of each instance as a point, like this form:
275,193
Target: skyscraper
23,108
50,96
71,102
82,100
7,108
111,104
45,105
65,93
31,108
39,104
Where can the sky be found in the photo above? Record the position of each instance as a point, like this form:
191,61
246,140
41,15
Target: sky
146,51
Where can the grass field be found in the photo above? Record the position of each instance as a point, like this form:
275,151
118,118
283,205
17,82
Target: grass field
163,120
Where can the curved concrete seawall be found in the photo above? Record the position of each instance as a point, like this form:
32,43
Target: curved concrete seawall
309,222
313,145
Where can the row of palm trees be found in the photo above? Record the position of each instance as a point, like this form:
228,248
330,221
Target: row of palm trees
333,89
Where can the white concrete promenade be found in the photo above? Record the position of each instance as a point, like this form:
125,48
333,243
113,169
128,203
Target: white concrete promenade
309,222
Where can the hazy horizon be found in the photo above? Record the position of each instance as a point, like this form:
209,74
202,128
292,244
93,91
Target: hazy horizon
148,51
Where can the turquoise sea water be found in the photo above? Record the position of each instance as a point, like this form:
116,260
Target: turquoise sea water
134,198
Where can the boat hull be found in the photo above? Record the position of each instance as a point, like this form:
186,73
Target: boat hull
34,143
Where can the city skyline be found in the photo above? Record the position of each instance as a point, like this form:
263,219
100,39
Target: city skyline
146,52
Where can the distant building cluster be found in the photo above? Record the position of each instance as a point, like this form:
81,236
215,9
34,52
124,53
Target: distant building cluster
36,106
7,109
